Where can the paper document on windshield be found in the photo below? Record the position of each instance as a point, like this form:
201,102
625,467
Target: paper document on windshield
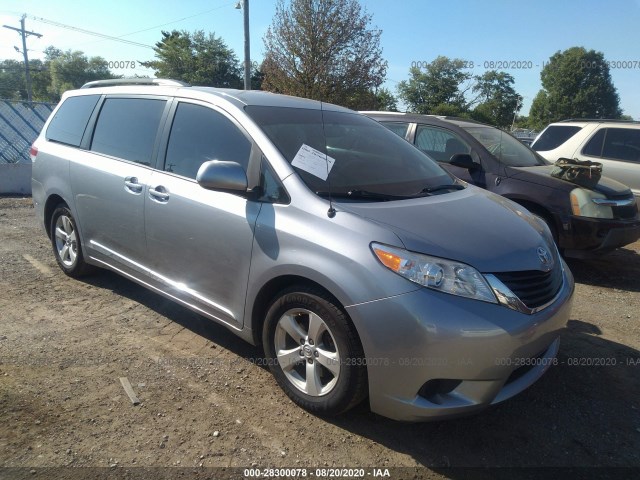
313,161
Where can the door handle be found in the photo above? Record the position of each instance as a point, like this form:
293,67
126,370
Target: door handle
159,194
131,185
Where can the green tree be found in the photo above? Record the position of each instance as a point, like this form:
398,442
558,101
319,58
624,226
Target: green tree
385,101
497,101
12,83
196,58
576,83
437,88
521,122
325,50
72,69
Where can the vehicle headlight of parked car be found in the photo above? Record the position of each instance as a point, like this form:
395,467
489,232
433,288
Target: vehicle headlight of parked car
587,203
438,274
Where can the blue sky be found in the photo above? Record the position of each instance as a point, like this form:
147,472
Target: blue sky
413,30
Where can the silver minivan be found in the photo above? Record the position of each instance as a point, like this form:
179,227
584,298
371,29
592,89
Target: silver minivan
362,267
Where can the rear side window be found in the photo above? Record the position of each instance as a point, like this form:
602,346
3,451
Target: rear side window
127,128
554,136
70,121
200,134
439,143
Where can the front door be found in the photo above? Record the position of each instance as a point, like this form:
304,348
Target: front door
199,241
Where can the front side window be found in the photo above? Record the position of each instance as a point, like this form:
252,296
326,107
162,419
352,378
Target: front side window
272,190
439,143
199,134
622,144
507,149
363,155
127,128
554,136
70,120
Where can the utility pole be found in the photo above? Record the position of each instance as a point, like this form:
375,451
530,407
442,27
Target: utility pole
25,33
247,50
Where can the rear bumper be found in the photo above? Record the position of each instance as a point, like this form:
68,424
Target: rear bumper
594,236
433,356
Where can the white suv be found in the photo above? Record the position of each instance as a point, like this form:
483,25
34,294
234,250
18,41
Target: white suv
614,143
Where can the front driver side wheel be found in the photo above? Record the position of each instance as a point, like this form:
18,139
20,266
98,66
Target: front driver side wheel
314,352
66,243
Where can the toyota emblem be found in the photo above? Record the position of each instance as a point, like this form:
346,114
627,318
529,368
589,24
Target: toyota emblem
545,258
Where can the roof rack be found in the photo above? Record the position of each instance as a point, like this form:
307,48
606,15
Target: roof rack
600,120
135,81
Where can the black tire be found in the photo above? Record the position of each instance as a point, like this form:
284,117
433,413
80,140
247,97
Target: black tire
64,233
344,390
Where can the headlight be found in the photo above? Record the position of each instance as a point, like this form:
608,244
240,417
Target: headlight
583,204
436,273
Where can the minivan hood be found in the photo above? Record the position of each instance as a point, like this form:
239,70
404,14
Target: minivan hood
542,176
473,226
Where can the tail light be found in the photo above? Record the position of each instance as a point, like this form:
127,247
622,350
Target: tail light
33,153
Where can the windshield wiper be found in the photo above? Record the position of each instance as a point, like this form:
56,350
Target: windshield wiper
364,194
451,186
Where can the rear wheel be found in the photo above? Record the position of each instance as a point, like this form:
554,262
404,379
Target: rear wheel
314,351
66,243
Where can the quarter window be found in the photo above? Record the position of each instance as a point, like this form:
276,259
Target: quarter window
554,136
200,134
127,128
594,146
399,128
439,143
70,121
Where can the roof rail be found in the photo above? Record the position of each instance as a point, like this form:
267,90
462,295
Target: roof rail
135,81
458,119
602,120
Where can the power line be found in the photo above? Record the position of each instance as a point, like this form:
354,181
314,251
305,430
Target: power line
119,38
89,32
177,21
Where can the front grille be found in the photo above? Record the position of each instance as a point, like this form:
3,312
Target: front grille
623,212
534,288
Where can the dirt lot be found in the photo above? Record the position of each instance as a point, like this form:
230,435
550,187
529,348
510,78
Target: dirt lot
205,402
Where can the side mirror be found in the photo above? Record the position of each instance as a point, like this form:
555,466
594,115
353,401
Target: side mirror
463,160
225,176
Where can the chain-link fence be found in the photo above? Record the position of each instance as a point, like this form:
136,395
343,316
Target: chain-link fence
20,124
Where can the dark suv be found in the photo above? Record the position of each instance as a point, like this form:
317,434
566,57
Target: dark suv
582,221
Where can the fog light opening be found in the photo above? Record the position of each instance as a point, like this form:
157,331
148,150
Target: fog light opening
434,389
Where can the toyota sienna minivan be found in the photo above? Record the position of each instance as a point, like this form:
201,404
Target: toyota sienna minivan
363,268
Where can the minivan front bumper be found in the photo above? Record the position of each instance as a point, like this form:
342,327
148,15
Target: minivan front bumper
431,355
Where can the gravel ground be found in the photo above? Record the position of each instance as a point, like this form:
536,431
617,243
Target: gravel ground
207,402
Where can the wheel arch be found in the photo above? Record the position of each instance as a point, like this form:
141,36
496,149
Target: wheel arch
268,292
49,207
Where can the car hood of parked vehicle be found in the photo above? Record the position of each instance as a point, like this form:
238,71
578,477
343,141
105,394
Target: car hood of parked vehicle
542,176
486,231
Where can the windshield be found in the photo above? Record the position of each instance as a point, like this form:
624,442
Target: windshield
506,148
363,155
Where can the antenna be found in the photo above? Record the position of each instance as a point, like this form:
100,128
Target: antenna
332,211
